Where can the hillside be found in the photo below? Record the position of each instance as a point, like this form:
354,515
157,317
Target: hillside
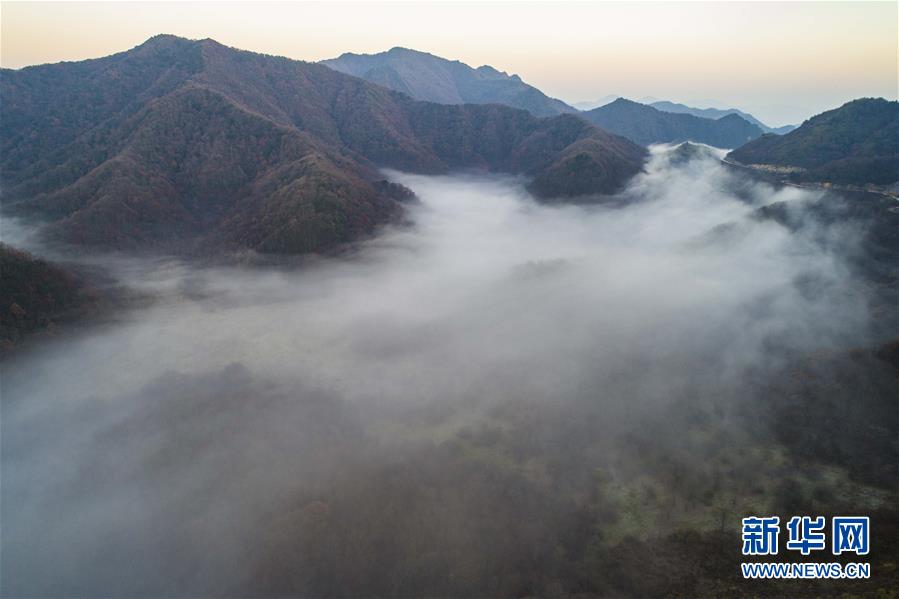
34,296
646,125
430,78
717,113
182,144
855,144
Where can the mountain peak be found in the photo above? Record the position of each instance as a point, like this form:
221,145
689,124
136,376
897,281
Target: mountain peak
167,42
402,51
625,102
163,38
164,44
208,41
163,41
866,104
427,77
486,68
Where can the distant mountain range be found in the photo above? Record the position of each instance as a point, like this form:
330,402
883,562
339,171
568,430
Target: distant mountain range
431,78
855,144
188,144
647,125
426,77
191,145
717,113
706,113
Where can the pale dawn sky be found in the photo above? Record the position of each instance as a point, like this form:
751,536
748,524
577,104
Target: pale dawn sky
781,61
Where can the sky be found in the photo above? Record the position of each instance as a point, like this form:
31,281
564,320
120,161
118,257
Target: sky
781,61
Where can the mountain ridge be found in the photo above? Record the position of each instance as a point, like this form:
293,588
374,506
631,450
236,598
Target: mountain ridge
717,113
190,142
855,144
646,125
425,76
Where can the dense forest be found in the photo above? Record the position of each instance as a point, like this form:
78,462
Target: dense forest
36,296
180,145
857,144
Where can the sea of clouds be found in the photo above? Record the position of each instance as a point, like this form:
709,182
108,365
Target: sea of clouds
141,454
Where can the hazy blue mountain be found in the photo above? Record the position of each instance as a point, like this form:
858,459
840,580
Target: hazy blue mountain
427,77
591,104
647,125
717,113
857,143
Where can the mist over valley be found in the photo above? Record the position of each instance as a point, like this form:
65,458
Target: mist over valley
491,385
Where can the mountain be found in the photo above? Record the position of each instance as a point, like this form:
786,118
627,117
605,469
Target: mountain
590,105
856,144
183,144
34,295
717,113
647,125
430,78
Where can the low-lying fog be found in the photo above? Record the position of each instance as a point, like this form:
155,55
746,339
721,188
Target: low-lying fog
183,448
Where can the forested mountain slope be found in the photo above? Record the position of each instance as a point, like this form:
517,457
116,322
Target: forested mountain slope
180,143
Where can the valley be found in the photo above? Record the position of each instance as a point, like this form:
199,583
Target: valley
568,378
